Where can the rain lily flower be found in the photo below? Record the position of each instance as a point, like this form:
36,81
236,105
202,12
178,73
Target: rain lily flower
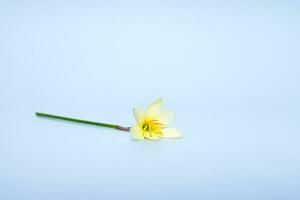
150,123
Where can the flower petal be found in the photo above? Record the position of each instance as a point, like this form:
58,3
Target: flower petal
139,114
166,117
154,109
171,133
137,132
152,136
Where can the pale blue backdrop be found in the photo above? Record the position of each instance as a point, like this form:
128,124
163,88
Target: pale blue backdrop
229,69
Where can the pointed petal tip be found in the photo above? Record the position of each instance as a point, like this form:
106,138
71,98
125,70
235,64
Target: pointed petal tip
172,133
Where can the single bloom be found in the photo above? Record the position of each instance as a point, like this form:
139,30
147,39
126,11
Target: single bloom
151,123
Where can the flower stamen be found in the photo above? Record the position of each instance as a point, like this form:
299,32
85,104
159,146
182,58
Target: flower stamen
152,126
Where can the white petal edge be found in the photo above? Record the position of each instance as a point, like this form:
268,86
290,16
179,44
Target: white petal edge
166,117
154,108
171,133
139,115
153,136
136,132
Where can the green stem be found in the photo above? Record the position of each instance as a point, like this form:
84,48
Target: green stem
115,126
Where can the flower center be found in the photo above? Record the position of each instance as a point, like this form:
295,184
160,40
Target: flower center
152,126
146,127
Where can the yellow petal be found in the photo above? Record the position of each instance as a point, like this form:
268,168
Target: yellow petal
139,114
166,117
151,136
137,132
154,109
171,133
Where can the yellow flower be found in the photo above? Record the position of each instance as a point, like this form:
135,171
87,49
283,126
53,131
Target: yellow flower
152,122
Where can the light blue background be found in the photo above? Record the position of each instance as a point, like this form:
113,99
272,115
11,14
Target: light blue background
229,69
